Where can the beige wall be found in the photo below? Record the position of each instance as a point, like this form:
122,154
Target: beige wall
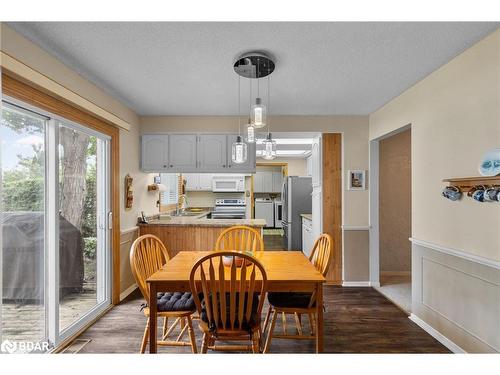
454,115
353,128
130,163
395,202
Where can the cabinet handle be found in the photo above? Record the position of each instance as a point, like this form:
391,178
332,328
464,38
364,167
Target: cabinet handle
171,166
223,165
164,166
230,165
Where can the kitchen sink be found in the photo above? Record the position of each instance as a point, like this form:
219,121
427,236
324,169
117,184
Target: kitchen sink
187,213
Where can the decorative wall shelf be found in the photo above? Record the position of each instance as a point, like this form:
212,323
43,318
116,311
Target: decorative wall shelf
469,182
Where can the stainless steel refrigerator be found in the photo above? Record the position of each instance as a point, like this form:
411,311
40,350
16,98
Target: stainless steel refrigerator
297,199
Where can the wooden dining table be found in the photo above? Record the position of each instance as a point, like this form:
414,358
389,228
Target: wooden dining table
287,271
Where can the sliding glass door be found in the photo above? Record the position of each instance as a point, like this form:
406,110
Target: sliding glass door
23,221
55,226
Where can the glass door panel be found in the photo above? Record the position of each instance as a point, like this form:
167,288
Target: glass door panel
23,219
83,230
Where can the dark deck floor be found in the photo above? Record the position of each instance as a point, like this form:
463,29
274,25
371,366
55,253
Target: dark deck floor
357,320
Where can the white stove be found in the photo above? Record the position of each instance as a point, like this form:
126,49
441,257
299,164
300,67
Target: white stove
229,208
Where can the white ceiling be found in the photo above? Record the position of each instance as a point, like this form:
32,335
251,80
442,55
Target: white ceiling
321,68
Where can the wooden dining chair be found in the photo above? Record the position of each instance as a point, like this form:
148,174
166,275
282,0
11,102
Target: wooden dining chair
240,238
229,299
148,255
298,304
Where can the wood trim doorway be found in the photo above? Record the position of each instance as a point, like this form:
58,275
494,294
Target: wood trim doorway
332,200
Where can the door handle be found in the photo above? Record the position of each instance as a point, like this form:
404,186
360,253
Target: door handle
110,220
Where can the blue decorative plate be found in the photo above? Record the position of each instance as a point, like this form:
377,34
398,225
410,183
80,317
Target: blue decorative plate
490,165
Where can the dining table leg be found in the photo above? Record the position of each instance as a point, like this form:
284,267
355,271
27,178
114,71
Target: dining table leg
152,317
319,318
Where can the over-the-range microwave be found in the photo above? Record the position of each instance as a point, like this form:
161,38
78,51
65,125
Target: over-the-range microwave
228,183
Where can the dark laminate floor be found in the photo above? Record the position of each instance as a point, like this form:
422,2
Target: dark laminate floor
357,320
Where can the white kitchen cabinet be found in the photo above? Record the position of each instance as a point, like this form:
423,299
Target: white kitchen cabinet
212,151
192,153
182,151
154,153
192,181
205,183
198,181
263,182
277,181
307,236
309,166
249,165
316,162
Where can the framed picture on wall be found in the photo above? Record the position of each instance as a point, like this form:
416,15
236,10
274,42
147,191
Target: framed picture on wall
357,179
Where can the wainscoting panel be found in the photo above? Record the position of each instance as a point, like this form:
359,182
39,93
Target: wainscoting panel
458,297
127,281
356,255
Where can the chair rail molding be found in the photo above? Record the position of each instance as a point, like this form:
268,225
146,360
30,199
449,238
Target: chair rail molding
457,252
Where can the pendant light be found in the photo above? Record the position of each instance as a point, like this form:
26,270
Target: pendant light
269,143
250,128
239,149
250,132
269,148
258,112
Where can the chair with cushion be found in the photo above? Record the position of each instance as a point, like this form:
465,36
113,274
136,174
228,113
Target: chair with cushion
298,303
148,255
240,238
229,299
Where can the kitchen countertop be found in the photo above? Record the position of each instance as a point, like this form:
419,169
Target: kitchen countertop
307,216
200,220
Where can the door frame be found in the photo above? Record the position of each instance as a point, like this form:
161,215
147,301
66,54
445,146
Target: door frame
374,205
31,95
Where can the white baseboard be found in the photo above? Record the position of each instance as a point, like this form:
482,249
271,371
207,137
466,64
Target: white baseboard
356,283
438,336
127,291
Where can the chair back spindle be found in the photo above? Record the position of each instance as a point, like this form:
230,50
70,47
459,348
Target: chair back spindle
147,255
240,238
231,294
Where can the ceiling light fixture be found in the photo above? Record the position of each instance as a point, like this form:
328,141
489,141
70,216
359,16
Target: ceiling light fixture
255,65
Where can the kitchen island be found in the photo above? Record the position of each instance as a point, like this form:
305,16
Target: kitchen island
193,232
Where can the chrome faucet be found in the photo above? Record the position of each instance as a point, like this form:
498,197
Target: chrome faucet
181,204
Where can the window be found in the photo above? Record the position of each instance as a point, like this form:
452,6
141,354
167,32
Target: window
171,182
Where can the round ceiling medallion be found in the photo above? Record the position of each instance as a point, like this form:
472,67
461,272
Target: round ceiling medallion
254,65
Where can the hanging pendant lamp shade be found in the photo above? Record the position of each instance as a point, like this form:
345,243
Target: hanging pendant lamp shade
269,152
239,151
250,132
259,114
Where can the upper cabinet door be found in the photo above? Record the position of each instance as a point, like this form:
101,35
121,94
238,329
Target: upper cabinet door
277,181
205,181
154,152
192,181
212,153
249,165
182,151
267,182
258,182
